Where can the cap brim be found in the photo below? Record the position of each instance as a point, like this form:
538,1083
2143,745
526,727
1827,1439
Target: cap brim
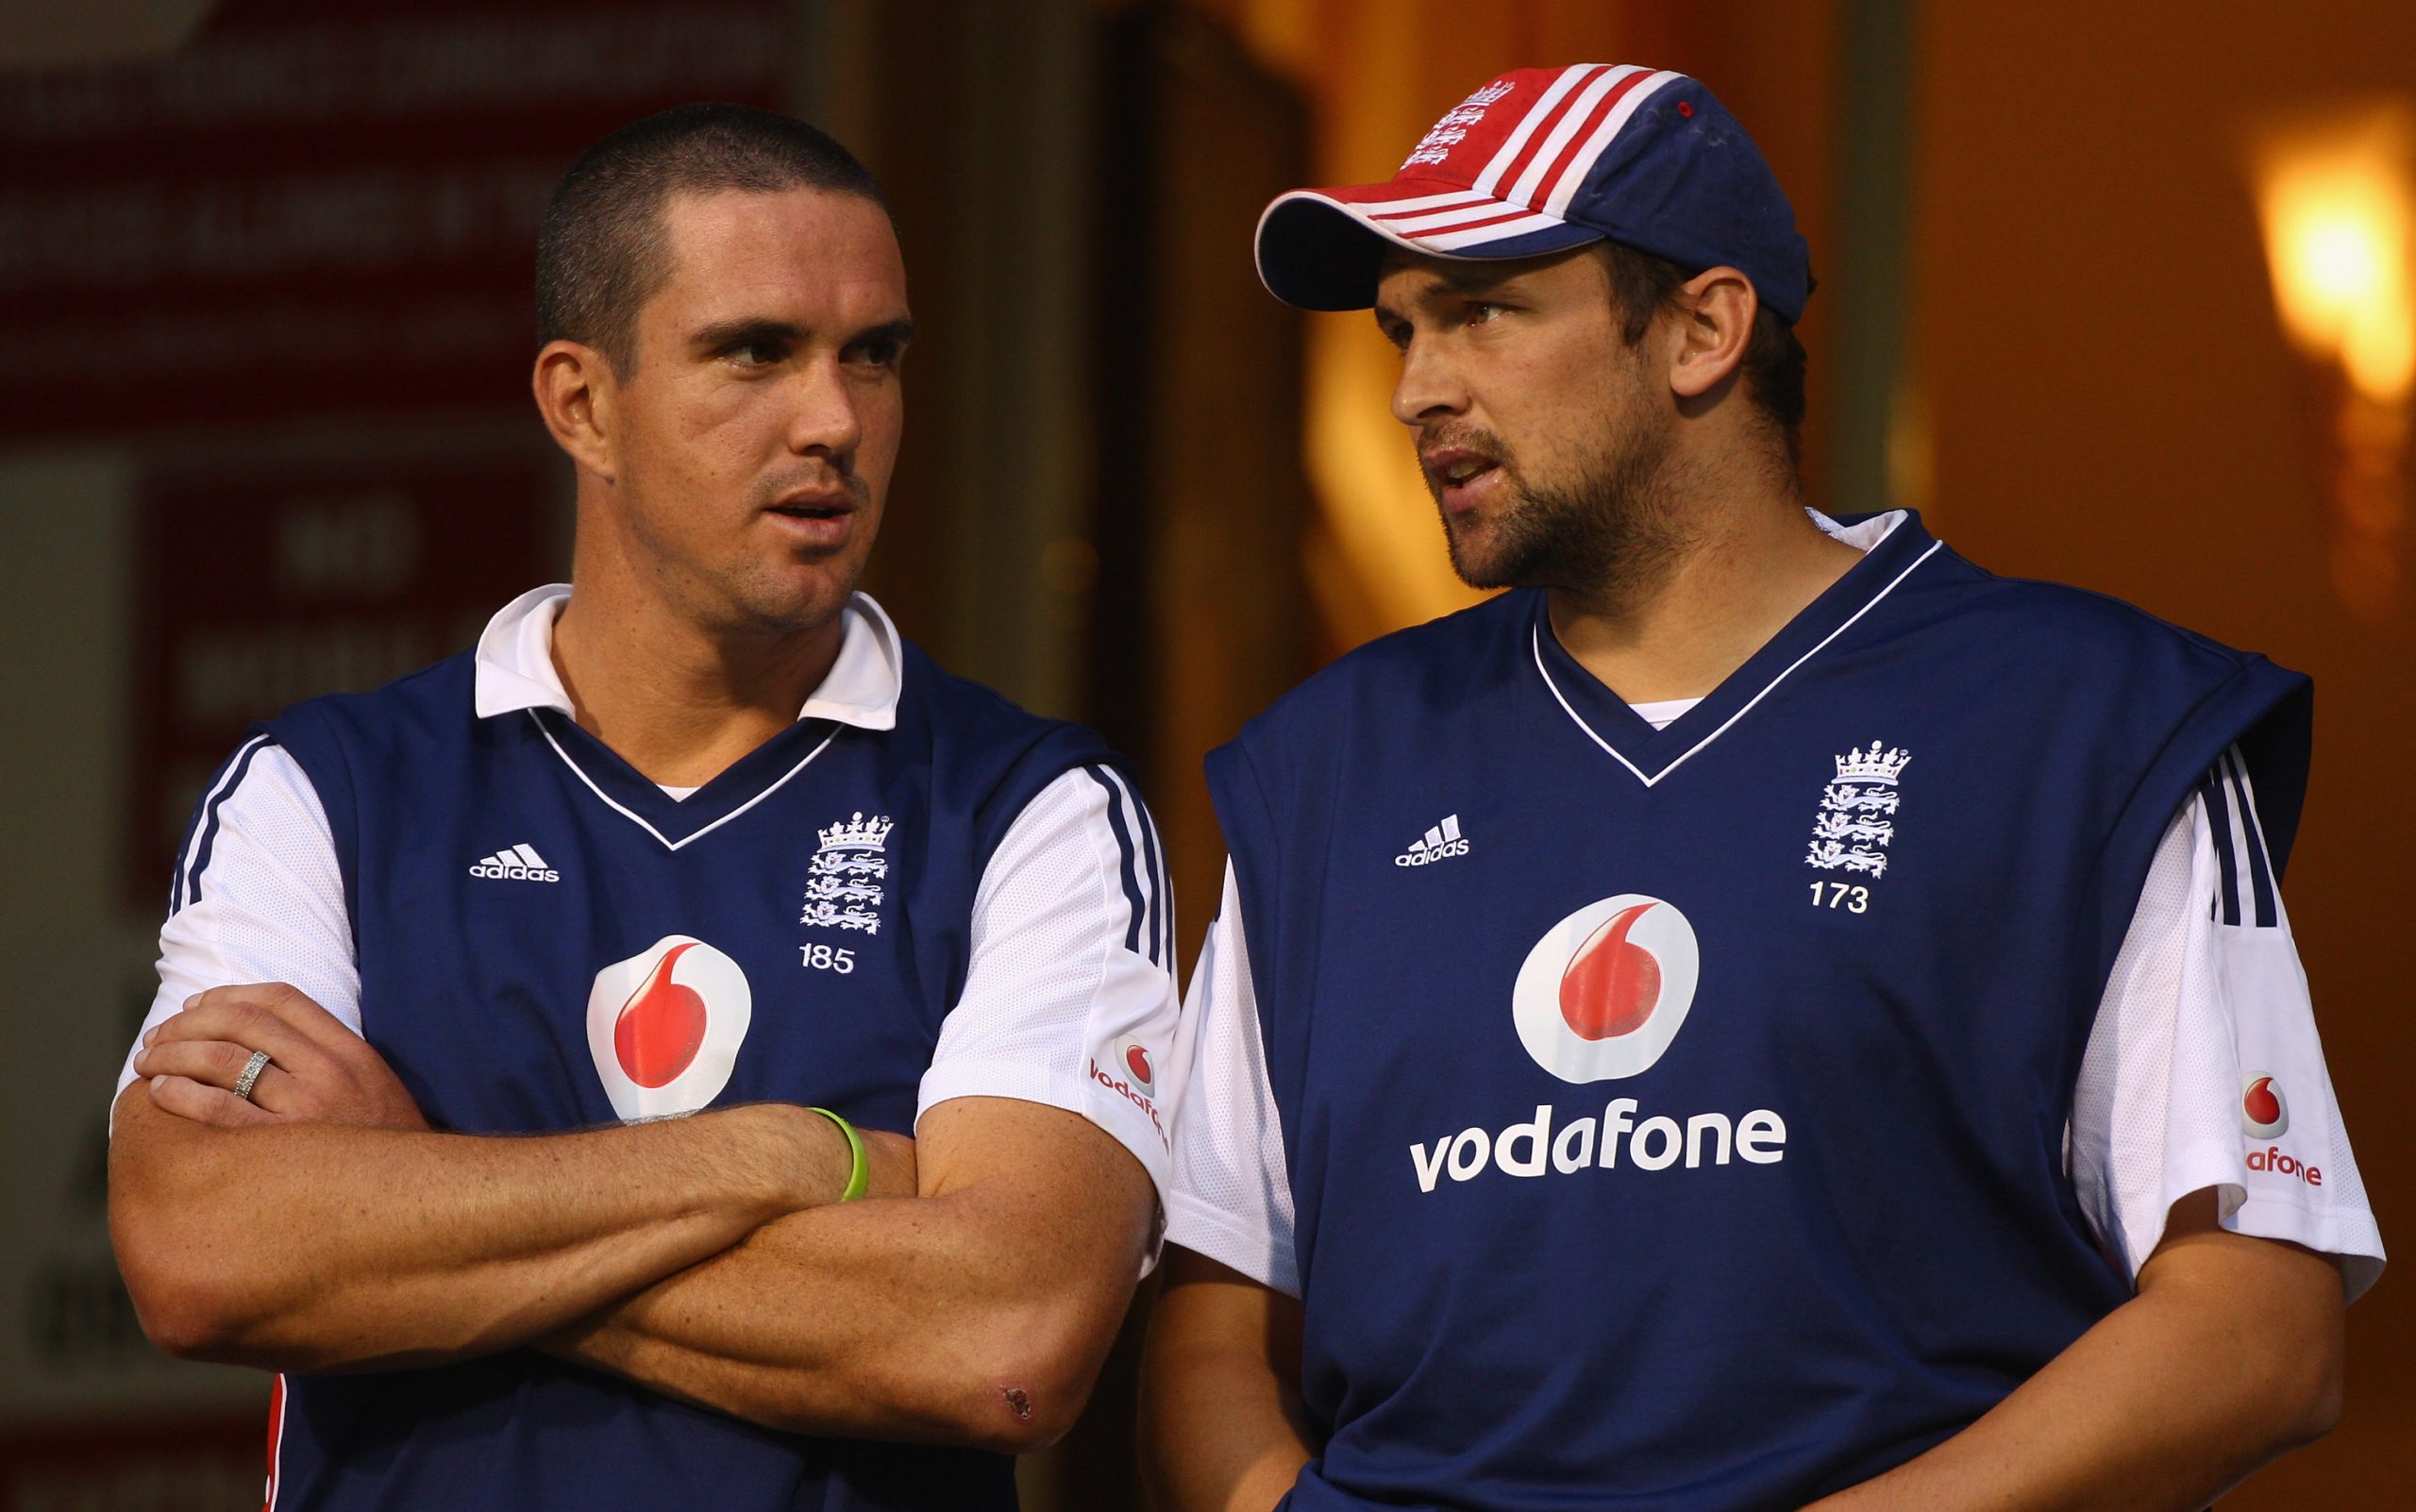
1323,248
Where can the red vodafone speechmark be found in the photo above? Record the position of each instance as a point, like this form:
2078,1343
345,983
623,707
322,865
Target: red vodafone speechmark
660,1027
1610,986
2262,1104
1136,1061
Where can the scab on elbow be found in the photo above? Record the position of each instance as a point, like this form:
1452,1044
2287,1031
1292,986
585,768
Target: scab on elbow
1025,1419
1020,1389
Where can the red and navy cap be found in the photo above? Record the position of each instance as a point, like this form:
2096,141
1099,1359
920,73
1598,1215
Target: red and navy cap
1546,159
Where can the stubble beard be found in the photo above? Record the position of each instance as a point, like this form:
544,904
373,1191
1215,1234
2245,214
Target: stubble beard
1608,528
740,594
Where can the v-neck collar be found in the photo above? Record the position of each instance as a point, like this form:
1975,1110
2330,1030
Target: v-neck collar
1653,754
676,822
515,676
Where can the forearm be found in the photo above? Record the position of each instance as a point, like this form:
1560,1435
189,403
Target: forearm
977,1316
1222,1428
1220,1432
318,1246
2171,1400
869,1320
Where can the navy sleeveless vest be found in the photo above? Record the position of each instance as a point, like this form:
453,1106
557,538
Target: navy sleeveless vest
1675,1119
547,941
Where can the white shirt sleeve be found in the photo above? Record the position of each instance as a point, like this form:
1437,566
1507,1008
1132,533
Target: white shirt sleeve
1069,999
2204,1067
258,894
1231,1198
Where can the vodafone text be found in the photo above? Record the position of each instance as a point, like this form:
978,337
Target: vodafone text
2270,1158
1758,1138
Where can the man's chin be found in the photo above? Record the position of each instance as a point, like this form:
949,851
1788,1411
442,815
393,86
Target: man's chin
1480,575
1480,558
788,608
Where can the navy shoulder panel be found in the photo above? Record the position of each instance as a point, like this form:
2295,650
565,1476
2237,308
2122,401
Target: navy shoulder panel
432,703
992,752
337,737
2191,696
1429,666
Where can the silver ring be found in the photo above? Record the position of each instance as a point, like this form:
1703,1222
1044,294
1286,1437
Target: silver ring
251,1074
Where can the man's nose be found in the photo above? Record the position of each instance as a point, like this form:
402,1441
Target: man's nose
827,418
1429,386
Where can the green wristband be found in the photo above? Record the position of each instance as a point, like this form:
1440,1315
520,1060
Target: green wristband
860,1171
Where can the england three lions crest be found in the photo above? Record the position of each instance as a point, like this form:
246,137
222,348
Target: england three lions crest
845,888
1857,817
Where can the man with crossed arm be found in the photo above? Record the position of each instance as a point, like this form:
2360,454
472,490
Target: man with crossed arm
699,834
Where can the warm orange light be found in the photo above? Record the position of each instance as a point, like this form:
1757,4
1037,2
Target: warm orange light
2340,235
2337,200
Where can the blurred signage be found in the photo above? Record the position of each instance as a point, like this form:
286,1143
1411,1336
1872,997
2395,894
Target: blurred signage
180,1465
318,209
258,587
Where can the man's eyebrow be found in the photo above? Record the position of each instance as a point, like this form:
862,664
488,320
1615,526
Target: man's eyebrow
739,332
900,331
723,334
1474,277
1449,281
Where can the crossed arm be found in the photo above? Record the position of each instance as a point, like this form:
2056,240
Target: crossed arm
2230,1354
322,1226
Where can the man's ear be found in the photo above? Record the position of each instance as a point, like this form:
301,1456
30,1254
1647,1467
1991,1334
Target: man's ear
1714,311
575,386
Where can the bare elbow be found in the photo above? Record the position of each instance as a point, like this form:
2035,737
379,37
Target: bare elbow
2319,1403
2301,1397
182,1313
1028,1418
1007,1403
190,1307
186,1333
2317,1383
1005,1417
1025,1402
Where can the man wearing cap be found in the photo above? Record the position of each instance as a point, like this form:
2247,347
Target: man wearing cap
1763,1013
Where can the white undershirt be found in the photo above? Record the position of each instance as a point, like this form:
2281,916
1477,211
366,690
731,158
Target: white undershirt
1663,713
1049,985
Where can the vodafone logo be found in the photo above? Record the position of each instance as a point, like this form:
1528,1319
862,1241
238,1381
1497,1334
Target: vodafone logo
2266,1114
665,1027
1135,1058
2262,1111
1606,989
1130,1075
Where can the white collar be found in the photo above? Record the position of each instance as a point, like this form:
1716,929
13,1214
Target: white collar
1862,537
515,662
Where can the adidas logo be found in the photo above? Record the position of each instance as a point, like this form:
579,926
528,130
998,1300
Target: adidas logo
1438,844
519,863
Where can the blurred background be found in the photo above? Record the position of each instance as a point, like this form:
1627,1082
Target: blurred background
2118,294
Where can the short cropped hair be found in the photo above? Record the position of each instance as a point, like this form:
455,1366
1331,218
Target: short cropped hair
1773,366
602,252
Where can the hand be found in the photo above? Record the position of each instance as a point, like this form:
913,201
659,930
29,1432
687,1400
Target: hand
319,1071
